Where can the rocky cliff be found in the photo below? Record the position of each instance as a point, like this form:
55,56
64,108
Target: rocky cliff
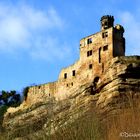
120,85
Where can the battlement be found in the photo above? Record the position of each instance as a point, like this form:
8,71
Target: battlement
107,17
107,21
95,51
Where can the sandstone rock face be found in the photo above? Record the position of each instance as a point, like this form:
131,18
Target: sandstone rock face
119,85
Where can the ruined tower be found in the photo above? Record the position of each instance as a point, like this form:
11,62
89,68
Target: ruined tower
118,41
95,52
104,45
107,22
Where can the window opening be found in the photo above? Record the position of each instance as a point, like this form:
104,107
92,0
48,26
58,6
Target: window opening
102,67
89,53
65,75
105,34
99,55
105,48
89,41
73,73
90,66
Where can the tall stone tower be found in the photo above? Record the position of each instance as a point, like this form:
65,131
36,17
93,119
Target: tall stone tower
104,45
118,41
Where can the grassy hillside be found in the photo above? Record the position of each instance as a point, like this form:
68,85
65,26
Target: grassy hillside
117,127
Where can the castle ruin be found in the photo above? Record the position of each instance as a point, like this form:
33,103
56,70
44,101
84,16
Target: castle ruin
95,51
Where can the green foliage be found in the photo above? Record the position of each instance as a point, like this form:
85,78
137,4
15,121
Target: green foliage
3,109
25,92
11,98
13,92
15,100
5,96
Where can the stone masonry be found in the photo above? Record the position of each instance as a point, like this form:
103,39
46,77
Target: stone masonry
95,51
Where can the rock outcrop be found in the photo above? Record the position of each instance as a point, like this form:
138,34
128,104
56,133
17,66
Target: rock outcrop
120,85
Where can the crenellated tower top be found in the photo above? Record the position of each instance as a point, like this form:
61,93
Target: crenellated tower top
107,21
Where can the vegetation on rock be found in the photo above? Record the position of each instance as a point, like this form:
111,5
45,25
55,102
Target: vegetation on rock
11,98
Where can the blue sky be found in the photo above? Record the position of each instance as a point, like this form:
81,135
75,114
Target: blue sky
40,37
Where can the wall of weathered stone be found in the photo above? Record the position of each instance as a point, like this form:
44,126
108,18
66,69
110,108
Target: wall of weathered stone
118,41
95,51
41,92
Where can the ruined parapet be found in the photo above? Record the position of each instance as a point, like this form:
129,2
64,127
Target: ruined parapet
41,93
95,52
107,21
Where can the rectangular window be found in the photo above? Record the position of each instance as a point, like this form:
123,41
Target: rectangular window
90,66
72,83
89,53
65,75
105,48
105,34
99,55
73,73
89,40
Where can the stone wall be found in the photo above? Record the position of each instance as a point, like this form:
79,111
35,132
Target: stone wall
95,52
41,92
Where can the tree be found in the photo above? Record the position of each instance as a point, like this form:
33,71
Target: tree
5,96
25,92
11,98
15,100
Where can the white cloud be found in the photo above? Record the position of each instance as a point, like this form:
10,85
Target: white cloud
132,32
48,49
40,19
25,28
13,34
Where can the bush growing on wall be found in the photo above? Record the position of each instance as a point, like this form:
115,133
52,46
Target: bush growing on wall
25,91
